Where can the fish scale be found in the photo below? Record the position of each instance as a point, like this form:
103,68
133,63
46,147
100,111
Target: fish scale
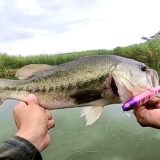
94,81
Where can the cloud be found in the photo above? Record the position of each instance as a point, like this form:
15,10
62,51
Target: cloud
22,19
51,26
9,34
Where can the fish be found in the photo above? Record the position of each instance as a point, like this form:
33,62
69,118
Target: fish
91,82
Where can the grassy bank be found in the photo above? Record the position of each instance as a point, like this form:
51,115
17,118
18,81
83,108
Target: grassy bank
147,52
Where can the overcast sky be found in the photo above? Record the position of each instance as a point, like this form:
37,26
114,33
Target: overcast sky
30,27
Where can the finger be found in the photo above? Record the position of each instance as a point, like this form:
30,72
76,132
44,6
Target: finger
19,106
139,109
16,119
17,122
31,99
157,105
141,114
152,118
51,124
147,117
17,110
49,115
47,140
153,101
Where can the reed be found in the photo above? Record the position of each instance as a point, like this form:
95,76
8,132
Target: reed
147,52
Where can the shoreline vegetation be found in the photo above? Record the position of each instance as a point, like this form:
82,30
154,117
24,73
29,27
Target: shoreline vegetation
147,52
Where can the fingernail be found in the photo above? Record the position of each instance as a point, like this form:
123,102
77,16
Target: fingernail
31,96
31,99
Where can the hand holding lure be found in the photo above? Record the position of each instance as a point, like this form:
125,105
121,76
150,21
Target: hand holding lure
140,99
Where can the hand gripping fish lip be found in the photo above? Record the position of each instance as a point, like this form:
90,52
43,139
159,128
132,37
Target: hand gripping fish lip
140,99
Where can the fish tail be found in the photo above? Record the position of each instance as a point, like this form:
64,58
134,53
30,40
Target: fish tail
6,88
7,83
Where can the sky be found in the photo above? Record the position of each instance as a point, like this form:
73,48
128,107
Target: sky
30,27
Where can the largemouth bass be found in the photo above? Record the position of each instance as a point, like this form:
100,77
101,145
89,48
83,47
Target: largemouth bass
90,82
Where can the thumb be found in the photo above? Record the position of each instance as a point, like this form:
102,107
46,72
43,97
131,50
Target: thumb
31,99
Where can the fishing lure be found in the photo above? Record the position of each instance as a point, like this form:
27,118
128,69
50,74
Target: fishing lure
140,99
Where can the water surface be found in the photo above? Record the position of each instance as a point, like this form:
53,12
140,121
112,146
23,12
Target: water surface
113,137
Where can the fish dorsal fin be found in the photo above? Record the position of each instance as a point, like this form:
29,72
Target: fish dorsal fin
91,114
31,69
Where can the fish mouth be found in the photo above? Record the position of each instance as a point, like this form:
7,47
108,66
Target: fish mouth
123,90
114,87
120,90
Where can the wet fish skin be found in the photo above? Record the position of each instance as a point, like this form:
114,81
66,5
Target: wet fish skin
63,83
88,81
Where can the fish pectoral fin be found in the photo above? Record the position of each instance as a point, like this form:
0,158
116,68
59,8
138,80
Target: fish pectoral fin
91,114
129,113
30,70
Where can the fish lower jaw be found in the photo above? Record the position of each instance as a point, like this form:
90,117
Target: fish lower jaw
123,97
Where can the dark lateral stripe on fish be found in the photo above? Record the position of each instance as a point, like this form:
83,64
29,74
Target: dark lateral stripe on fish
60,88
92,82
43,89
86,96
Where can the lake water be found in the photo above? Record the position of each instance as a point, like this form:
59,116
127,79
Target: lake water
113,137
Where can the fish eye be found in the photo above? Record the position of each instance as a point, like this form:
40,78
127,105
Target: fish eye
143,68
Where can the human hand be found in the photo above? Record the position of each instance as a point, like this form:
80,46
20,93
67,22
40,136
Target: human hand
33,122
149,115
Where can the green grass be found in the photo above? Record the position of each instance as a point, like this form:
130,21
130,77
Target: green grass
147,52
